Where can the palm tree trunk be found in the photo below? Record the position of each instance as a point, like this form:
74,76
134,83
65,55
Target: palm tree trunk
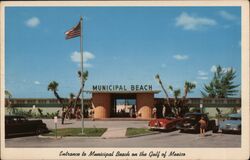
77,97
58,97
167,97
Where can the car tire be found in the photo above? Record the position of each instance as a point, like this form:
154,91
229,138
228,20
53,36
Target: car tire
222,131
181,131
38,131
215,130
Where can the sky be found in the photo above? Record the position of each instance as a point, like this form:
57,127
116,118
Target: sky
122,45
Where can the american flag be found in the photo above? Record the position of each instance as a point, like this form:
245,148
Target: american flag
74,32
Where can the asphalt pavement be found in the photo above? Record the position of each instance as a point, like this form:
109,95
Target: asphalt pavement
173,139
164,139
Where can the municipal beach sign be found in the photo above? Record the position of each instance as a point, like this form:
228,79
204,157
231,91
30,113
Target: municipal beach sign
122,88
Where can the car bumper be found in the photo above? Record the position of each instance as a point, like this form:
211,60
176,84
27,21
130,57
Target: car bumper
156,128
186,128
231,129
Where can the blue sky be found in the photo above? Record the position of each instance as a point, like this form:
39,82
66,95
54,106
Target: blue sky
122,45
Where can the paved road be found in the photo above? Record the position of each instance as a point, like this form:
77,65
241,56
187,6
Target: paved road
172,139
98,124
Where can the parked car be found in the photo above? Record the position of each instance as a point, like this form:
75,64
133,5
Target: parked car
168,123
231,124
190,122
19,125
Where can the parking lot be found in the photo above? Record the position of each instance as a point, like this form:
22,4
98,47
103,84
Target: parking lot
163,139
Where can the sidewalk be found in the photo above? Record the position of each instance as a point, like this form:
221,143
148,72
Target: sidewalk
115,133
98,124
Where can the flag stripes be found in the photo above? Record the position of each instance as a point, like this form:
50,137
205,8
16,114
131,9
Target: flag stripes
74,32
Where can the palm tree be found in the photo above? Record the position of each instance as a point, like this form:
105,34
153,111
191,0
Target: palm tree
180,107
84,78
157,77
222,85
8,96
176,94
71,99
53,86
187,88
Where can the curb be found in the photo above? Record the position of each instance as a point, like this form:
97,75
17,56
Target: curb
140,135
52,137
61,137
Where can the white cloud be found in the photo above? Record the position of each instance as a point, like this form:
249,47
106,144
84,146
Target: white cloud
37,82
76,57
202,77
213,68
202,73
188,22
33,22
180,57
227,15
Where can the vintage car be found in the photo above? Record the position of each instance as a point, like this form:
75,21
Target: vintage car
190,122
19,125
168,123
231,124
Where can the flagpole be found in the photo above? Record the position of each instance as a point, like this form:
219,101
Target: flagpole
81,50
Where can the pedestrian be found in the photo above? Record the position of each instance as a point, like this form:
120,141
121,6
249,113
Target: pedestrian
164,111
154,112
63,115
78,113
203,125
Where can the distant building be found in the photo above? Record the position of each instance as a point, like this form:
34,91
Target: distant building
108,104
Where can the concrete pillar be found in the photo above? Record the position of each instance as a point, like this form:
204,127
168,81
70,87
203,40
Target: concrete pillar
145,104
101,103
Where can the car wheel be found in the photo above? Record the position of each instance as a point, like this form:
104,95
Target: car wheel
181,131
215,130
38,131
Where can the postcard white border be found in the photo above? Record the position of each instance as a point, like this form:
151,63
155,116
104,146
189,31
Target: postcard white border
191,153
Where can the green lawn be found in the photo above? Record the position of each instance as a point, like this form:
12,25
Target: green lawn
137,131
88,132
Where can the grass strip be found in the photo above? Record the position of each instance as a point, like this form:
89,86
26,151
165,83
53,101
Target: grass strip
137,131
88,132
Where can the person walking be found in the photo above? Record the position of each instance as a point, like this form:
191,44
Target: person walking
63,115
203,125
154,112
164,111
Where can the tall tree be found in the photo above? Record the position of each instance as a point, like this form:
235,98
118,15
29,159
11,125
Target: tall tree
180,105
157,77
53,86
222,84
71,99
8,104
85,77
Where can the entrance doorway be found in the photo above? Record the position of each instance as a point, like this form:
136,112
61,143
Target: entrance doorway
123,106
